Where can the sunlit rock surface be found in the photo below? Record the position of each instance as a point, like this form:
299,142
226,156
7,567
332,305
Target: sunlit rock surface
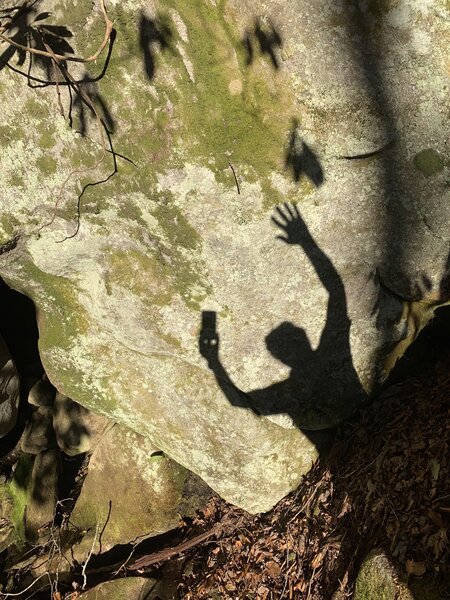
131,491
219,112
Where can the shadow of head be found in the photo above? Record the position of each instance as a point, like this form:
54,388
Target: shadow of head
289,344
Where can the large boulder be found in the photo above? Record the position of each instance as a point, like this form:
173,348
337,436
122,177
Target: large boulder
217,114
131,491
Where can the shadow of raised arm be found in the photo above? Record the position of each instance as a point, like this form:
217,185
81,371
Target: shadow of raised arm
295,231
208,342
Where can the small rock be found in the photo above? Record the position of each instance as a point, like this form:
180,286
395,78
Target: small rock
41,394
77,429
131,588
378,580
9,390
39,435
42,495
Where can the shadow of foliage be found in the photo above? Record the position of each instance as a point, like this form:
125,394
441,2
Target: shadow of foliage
90,88
301,160
153,33
265,36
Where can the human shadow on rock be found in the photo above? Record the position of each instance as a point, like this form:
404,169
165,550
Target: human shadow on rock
323,387
24,26
90,88
301,160
266,37
153,33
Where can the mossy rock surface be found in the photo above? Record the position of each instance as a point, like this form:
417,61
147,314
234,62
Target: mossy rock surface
213,126
131,588
131,491
378,580
429,162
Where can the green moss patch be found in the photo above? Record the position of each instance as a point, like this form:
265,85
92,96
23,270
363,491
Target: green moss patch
18,489
46,164
429,162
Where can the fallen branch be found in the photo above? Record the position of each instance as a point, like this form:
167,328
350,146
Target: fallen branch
156,557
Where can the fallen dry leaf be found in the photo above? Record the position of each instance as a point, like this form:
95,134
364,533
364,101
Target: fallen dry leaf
273,569
415,568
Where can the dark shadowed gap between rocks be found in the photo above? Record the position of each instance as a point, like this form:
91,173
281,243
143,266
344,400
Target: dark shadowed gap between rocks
19,329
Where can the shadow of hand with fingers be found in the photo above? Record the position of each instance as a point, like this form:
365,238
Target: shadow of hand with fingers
301,160
268,40
153,32
323,387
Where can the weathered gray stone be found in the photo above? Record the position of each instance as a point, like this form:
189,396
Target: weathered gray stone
131,588
42,393
9,390
77,429
131,491
327,119
42,495
39,435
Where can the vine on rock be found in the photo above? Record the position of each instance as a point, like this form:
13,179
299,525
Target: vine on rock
47,44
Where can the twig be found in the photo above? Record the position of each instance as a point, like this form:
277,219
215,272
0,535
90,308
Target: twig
108,29
124,564
235,178
83,571
58,91
104,527
310,583
287,565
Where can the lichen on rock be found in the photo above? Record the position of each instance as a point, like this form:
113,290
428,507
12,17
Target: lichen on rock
212,127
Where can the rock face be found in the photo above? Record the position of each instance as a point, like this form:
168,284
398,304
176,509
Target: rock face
39,434
131,588
77,429
218,114
131,491
9,390
40,510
